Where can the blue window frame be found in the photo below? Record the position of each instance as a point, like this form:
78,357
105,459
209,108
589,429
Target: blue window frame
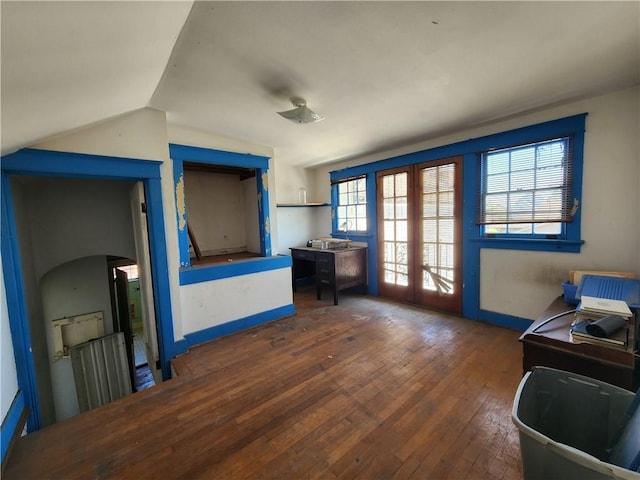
351,206
527,190
473,237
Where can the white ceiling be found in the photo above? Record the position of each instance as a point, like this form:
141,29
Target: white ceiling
383,74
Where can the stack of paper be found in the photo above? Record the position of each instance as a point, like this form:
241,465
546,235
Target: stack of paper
594,310
594,307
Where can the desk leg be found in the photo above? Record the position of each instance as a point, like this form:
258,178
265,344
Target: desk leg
293,276
335,295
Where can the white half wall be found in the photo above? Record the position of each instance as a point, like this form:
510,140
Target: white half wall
209,304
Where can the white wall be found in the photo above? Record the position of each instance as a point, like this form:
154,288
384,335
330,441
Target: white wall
8,372
73,218
291,179
209,304
75,288
522,283
297,225
141,134
216,211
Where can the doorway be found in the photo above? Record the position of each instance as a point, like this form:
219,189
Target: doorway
21,278
129,317
419,232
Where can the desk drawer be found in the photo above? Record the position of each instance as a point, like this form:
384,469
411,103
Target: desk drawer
325,261
303,255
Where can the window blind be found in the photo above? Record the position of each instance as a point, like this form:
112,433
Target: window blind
527,184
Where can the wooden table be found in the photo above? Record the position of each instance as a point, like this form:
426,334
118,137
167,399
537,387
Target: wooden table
551,346
334,268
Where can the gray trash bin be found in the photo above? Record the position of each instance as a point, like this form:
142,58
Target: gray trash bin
572,426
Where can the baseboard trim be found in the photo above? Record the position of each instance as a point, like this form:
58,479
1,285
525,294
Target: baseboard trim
234,326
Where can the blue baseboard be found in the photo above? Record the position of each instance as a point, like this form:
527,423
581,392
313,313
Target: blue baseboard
234,326
12,422
503,320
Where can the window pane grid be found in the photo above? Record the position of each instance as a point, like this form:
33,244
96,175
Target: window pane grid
438,228
351,211
395,229
527,185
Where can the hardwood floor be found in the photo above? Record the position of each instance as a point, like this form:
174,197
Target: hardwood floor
367,389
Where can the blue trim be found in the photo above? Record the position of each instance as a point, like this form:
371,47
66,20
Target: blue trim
76,165
539,244
160,274
30,161
183,153
471,240
503,320
17,307
217,157
233,269
234,326
181,217
564,126
11,423
470,255
262,185
302,205
370,236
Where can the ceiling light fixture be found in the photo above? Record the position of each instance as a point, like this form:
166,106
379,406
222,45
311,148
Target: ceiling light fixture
302,113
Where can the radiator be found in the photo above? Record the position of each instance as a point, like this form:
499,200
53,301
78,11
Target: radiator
101,371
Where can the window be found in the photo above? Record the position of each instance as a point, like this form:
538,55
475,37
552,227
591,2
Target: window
351,209
527,190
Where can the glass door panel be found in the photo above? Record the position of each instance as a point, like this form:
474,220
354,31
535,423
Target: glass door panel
393,196
419,231
439,250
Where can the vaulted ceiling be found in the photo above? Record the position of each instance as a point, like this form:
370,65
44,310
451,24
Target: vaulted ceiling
383,74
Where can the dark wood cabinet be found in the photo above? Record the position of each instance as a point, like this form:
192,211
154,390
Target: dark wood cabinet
336,269
551,346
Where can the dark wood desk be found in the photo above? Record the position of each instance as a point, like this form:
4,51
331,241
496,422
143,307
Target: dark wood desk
334,268
551,346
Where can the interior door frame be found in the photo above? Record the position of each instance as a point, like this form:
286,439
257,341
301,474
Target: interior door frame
77,165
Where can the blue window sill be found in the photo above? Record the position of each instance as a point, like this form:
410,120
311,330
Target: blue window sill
207,273
540,244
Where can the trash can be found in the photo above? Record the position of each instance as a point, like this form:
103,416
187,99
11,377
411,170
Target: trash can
572,426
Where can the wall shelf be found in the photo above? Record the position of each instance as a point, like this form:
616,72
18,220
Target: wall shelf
310,204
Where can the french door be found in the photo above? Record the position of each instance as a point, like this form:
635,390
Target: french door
419,233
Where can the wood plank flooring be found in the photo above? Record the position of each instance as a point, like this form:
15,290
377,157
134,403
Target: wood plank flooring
367,389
